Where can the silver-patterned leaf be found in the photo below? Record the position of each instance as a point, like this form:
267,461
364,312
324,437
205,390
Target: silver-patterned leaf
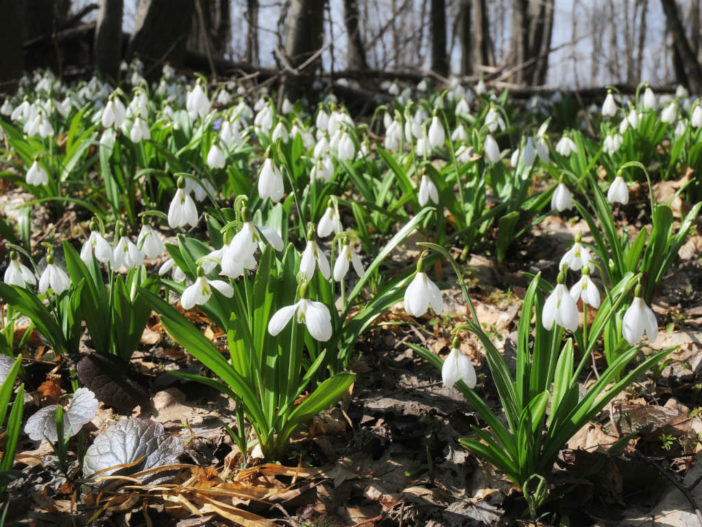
42,425
6,364
140,442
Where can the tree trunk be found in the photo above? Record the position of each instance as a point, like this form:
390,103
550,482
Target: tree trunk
642,38
439,57
160,31
252,56
356,55
614,68
305,37
11,40
466,37
686,57
107,49
519,41
540,53
481,35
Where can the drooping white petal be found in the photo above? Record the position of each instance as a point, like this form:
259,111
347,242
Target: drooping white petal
341,266
272,236
196,294
223,287
281,318
562,198
458,367
317,320
618,191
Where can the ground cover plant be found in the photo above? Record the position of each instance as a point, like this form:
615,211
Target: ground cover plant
202,293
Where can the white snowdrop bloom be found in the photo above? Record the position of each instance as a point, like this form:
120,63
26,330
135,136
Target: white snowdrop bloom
462,108
287,107
182,210
696,120
427,192
176,272
314,315
270,182
126,255
339,120
618,191
394,89
139,105
670,113
64,107
114,113
21,111
243,112
200,188
196,102
44,127
491,149
6,108
624,125
407,128
150,243
321,148
565,146
244,244
681,92
167,112
422,294
649,99
36,175
18,274
529,153
639,319
393,137
224,98
514,158
680,128
465,153
421,146
54,277
541,147
417,121
422,85
562,198
561,309
215,157
586,289
260,103
322,120
96,246
458,367
279,132
609,107
346,149
140,131
313,257
387,120
323,168
329,223
493,120
480,88
576,257
229,135
612,143
633,118
341,266
264,119
201,290
437,135
459,134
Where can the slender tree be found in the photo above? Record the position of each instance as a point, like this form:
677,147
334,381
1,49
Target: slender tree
481,33
107,49
688,69
465,36
439,57
305,37
356,54
252,32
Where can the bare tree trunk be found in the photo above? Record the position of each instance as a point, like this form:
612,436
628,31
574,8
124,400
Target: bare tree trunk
614,68
161,30
519,40
466,37
642,37
481,33
11,39
305,37
439,57
356,54
691,69
539,44
252,32
107,50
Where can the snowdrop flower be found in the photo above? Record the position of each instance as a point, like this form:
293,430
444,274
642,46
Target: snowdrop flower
6,108
427,191
586,289
669,113
459,134
313,257
618,191
322,120
139,131
224,98
323,169
341,266
201,291
421,146
279,132
126,255
17,273
329,223
314,315
422,85
639,319
150,243
609,107
577,256
346,149
422,294
612,143
649,99
560,308
491,149
182,210
493,120
270,182
393,136
239,253
465,153
565,146
680,128
462,108
215,157
529,153
437,136
458,367
36,175
541,147
54,277
196,102
562,198
176,272
264,119
229,135
696,119
199,188
96,246
633,118
114,113
287,107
